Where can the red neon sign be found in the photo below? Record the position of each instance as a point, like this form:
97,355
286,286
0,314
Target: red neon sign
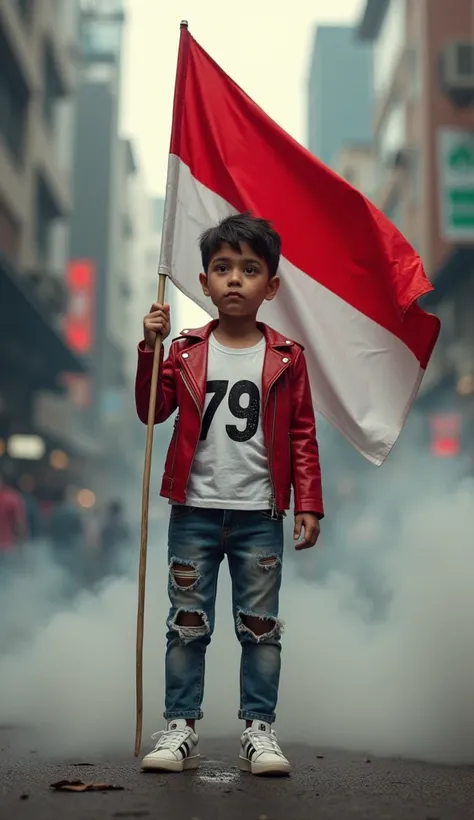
79,324
445,434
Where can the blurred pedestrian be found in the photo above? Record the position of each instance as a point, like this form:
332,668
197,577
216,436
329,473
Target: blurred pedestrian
27,488
67,536
114,536
13,518
13,526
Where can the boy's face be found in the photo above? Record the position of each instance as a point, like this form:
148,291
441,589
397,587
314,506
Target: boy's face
238,283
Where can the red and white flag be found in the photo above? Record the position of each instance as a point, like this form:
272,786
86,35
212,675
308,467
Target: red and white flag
350,280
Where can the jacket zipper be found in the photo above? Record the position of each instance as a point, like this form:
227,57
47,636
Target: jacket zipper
191,393
270,389
176,423
274,511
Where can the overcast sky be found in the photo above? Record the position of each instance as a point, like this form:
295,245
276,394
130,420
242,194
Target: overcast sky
263,44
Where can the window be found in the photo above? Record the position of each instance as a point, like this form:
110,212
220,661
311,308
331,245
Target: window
391,140
13,101
466,60
9,234
101,39
105,7
51,86
24,9
389,46
392,135
46,215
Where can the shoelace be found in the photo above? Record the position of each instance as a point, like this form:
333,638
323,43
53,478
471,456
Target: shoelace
265,742
169,738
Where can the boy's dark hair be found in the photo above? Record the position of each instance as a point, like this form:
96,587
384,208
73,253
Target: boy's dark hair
233,230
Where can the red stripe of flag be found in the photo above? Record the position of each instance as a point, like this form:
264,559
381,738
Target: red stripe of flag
329,229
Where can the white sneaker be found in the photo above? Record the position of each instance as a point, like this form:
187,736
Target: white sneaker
260,752
176,749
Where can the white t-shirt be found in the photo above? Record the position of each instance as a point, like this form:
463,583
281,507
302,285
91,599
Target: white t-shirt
230,468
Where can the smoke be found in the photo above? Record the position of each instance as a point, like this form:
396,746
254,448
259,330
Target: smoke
378,655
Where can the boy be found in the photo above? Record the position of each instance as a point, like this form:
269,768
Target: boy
245,431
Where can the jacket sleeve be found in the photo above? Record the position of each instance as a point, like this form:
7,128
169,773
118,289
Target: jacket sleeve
166,402
305,466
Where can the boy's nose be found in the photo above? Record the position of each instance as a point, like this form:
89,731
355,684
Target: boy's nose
235,278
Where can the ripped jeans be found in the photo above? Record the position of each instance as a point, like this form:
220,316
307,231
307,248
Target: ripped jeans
253,543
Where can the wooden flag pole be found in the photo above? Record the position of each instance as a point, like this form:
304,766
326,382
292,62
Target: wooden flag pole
144,522
164,269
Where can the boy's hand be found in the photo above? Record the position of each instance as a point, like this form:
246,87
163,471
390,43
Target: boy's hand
157,321
309,522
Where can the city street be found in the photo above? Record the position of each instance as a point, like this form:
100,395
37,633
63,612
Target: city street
325,784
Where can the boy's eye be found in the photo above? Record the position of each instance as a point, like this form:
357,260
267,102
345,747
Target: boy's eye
251,269
221,268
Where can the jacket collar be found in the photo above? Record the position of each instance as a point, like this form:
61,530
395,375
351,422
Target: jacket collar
273,338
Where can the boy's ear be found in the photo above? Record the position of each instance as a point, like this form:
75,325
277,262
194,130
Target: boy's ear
203,281
272,288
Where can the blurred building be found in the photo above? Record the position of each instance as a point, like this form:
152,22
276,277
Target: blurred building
339,92
103,227
100,223
37,88
424,146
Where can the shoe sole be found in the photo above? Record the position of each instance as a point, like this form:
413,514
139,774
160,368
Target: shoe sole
171,765
264,769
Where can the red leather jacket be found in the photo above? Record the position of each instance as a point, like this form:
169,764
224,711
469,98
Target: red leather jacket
287,415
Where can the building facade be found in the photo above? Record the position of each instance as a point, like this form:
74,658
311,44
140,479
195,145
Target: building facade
38,73
98,225
103,235
424,148
339,92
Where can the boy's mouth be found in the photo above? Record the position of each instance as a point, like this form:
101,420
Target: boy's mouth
234,295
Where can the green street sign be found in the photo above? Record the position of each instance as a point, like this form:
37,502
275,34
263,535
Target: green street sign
462,207
456,184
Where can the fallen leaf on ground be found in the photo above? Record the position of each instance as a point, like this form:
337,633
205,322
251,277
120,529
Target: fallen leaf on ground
79,786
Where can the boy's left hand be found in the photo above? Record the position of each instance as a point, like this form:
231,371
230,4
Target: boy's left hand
309,522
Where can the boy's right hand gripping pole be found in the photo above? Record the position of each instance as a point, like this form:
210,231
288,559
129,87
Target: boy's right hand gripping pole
144,524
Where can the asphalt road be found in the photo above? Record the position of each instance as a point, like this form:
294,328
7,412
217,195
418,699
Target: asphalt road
326,785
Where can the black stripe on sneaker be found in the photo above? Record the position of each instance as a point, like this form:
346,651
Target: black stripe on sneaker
251,752
182,750
186,746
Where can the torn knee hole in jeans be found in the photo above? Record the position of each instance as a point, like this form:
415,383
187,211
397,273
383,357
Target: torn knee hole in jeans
183,575
268,562
260,627
190,623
